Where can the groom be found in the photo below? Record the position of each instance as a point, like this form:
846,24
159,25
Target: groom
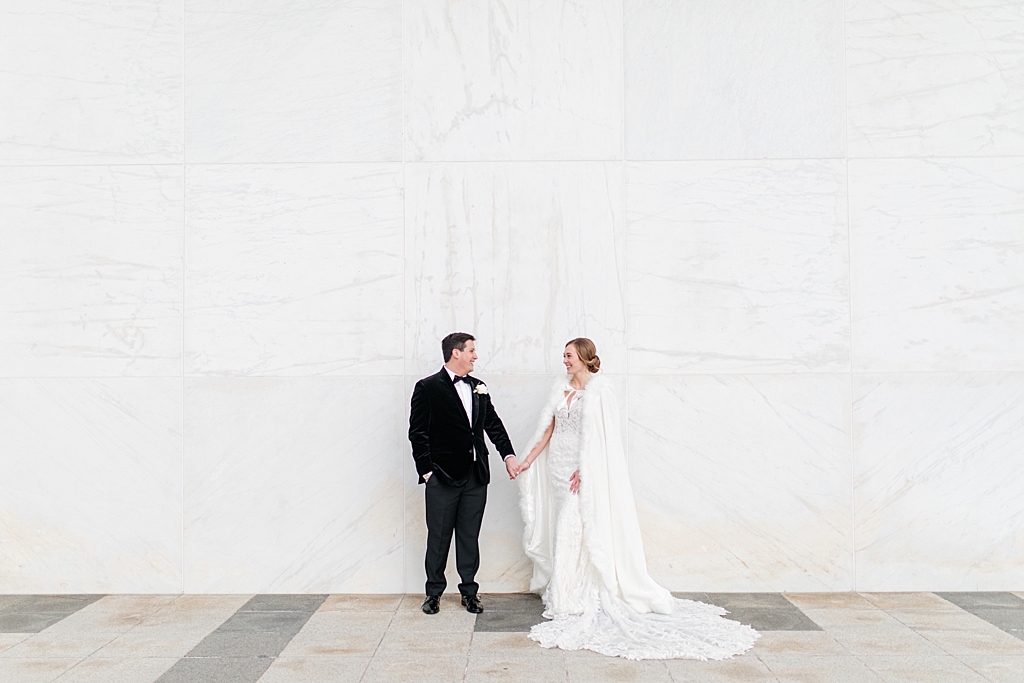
450,413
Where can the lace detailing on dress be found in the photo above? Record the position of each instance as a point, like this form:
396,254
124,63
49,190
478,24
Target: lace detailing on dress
584,615
572,585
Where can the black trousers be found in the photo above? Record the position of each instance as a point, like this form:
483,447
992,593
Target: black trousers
458,509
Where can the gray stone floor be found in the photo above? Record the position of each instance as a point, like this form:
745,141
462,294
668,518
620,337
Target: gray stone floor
806,637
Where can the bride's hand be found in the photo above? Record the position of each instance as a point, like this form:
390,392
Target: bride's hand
523,466
574,482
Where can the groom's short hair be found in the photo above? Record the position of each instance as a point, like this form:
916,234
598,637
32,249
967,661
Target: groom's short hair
455,340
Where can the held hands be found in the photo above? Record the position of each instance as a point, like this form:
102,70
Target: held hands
574,482
513,466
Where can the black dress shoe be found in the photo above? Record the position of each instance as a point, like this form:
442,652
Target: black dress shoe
472,604
432,604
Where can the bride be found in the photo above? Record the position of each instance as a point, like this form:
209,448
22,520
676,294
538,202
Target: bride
584,539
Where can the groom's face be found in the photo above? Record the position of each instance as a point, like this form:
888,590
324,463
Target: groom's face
464,359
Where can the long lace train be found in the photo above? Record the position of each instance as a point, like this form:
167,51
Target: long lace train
694,631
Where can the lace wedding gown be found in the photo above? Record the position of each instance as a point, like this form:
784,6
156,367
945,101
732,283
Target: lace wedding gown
583,613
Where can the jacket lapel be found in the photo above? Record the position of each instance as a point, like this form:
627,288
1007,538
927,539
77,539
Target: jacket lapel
475,399
446,378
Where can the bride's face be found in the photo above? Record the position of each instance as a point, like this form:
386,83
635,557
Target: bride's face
572,361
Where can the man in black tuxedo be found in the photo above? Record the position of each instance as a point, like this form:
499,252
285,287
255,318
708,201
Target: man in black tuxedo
450,413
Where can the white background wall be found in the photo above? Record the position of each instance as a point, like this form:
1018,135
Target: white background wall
232,233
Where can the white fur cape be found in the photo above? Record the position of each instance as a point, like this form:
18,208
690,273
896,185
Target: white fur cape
611,532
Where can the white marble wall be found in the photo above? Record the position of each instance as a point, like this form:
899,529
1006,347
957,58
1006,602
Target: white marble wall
233,233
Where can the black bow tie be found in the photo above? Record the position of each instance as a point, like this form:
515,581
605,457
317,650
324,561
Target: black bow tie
464,378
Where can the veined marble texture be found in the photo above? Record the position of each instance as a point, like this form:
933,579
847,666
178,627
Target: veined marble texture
319,80
534,79
737,266
939,481
504,567
525,256
744,482
294,270
90,497
90,82
293,485
937,264
91,271
718,80
935,78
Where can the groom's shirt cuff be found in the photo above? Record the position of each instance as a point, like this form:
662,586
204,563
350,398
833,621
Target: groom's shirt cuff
506,456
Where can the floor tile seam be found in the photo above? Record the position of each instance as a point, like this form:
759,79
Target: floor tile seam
376,648
760,659
1005,629
70,668
979,616
983,676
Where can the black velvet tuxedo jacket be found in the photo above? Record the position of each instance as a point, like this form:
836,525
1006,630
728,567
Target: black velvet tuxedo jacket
444,439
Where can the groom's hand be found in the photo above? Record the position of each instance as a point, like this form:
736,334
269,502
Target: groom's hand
513,467
427,476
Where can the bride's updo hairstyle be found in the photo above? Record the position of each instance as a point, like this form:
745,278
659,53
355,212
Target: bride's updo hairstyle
587,352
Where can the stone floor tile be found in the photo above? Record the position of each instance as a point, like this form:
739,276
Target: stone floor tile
798,642
939,620
113,614
884,640
439,669
975,642
891,601
507,621
511,602
18,622
819,669
340,633
806,601
839,618
9,640
997,668
59,645
206,603
397,642
284,603
746,668
10,602
1019,594
583,669
972,601
343,669
533,666
121,670
217,670
906,669
64,604
361,603
265,622
35,669
451,619
773,619
1004,618
696,597
174,640
240,644
762,600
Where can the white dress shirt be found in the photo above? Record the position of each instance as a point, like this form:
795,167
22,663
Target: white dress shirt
466,394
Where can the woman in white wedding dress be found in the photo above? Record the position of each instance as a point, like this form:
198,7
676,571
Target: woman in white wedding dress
584,539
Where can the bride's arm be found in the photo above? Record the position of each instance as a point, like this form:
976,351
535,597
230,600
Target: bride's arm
541,445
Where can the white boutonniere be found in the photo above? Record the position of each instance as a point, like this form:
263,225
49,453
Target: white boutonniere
480,389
